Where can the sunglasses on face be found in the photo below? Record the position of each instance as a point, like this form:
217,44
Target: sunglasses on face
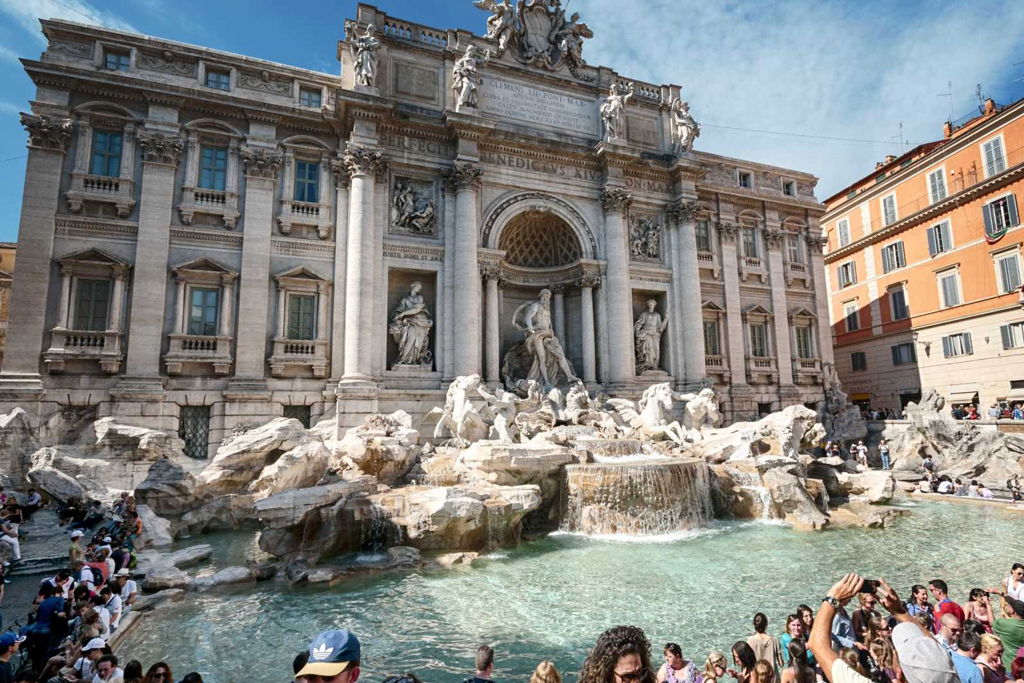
632,676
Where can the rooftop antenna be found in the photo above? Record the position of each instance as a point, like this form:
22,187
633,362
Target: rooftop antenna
981,99
1022,77
900,136
949,94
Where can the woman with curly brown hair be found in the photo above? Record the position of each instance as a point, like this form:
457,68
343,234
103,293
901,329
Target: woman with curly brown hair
621,655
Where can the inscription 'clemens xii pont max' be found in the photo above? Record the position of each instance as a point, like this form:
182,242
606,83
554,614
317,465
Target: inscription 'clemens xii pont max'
518,101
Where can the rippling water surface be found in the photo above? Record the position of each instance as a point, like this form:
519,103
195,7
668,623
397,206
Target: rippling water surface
551,598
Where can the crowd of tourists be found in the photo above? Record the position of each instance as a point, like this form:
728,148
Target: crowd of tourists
1000,410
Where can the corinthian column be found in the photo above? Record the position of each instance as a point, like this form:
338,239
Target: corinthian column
492,338
690,295
341,179
616,203
587,284
783,349
465,178
362,164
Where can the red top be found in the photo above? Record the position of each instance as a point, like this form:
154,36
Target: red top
947,606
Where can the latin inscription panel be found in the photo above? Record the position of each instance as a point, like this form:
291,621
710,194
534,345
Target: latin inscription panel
534,105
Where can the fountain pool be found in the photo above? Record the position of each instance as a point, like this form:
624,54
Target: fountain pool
549,599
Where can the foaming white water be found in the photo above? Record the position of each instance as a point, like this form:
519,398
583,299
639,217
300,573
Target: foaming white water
370,558
654,539
635,459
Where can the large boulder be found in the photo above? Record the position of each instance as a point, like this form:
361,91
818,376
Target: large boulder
226,577
240,459
384,446
46,474
156,531
220,513
299,468
106,438
784,433
869,486
288,508
18,441
865,516
791,500
168,489
506,464
164,577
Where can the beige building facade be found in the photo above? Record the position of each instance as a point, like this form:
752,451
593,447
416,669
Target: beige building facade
209,241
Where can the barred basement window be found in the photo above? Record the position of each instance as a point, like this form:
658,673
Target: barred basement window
194,430
300,413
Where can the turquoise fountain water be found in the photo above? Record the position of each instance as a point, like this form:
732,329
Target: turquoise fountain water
552,597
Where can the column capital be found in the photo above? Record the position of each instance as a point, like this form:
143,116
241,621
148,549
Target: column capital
261,164
160,149
463,176
342,177
728,231
558,289
490,271
364,161
47,133
774,237
616,200
817,243
683,210
589,280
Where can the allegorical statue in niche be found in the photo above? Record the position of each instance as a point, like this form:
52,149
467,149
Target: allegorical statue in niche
613,111
684,129
540,356
410,328
466,77
364,52
647,330
412,210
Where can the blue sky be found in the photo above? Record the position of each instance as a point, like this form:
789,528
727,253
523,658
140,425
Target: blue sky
852,70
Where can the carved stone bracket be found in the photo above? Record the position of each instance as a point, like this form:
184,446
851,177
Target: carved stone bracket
364,161
590,280
463,176
161,149
774,238
47,133
616,199
261,164
728,231
817,243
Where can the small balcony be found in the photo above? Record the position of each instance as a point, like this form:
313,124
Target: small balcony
299,354
194,349
753,265
77,345
807,370
717,366
196,200
95,188
305,213
708,260
798,271
762,370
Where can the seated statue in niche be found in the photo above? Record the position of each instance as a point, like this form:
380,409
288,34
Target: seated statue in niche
647,330
540,356
410,328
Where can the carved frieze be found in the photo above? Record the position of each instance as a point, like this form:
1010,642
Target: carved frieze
463,176
168,62
161,149
413,206
645,239
70,47
261,164
616,199
47,133
265,81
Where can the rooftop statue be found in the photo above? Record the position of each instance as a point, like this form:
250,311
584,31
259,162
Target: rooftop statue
364,51
537,33
685,130
613,111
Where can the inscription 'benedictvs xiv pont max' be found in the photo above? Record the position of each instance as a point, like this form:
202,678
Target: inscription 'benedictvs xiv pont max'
228,237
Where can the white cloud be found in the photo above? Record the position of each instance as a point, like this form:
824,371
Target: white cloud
845,70
8,108
27,14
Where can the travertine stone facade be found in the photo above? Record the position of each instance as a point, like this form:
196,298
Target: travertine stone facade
211,240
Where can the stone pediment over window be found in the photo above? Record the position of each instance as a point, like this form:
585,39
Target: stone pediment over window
210,190
802,313
104,167
710,307
93,257
299,276
756,311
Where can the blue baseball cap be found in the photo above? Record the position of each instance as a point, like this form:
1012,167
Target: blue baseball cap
331,653
8,639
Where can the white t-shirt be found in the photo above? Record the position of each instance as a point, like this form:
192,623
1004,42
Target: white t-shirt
84,667
114,607
118,673
1017,592
87,578
126,592
842,673
104,621
111,566
945,487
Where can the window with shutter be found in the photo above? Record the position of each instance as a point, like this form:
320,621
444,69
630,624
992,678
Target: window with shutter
106,153
1009,274
301,321
711,338
1013,335
950,290
995,161
889,210
844,233
859,361
850,313
1000,215
940,238
758,340
898,304
803,342
937,185
91,305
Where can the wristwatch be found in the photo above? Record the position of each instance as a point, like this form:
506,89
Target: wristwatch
832,601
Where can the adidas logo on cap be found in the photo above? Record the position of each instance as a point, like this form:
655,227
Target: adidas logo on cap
322,652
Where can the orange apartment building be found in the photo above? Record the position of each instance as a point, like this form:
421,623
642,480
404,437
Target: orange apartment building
924,269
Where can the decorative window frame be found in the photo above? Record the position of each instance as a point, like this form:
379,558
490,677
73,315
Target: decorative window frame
993,238
946,272
302,353
783,182
853,368
892,289
85,187
928,184
1012,251
793,270
839,231
101,345
751,265
216,66
716,365
806,370
194,349
740,172
895,209
197,200
760,369
99,58
839,268
300,85
1002,145
316,214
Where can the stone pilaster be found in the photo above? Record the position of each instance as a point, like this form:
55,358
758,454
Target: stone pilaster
261,171
341,181
690,294
616,202
465,178
492,336
47,142
362,164
587,284
734,332
816,248
775,238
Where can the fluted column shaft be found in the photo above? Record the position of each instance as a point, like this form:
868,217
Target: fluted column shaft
340,271
492,337
466,179
690,298
616,203
589,355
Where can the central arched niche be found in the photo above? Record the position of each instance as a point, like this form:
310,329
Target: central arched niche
539,239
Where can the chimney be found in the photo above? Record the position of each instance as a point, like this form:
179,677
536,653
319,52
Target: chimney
990,106
878,165
947,130
889,158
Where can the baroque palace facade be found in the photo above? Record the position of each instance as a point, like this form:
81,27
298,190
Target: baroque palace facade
209,241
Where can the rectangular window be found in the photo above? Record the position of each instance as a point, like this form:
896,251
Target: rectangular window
851,315
221,80
949,287
994,159
91,305
789,188
711,346
796,253
1008,273
937,185
308,97
859,361
902,354
106,153
889,210
202,316
703,232
893,257
803,342
117,60
844,232
307,181
1000,215
301,317
746,179
750,242
213,164
957,345
940,238
1013,335
847,274
898,303
759,340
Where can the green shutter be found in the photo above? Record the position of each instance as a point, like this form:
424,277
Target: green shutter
1011,205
